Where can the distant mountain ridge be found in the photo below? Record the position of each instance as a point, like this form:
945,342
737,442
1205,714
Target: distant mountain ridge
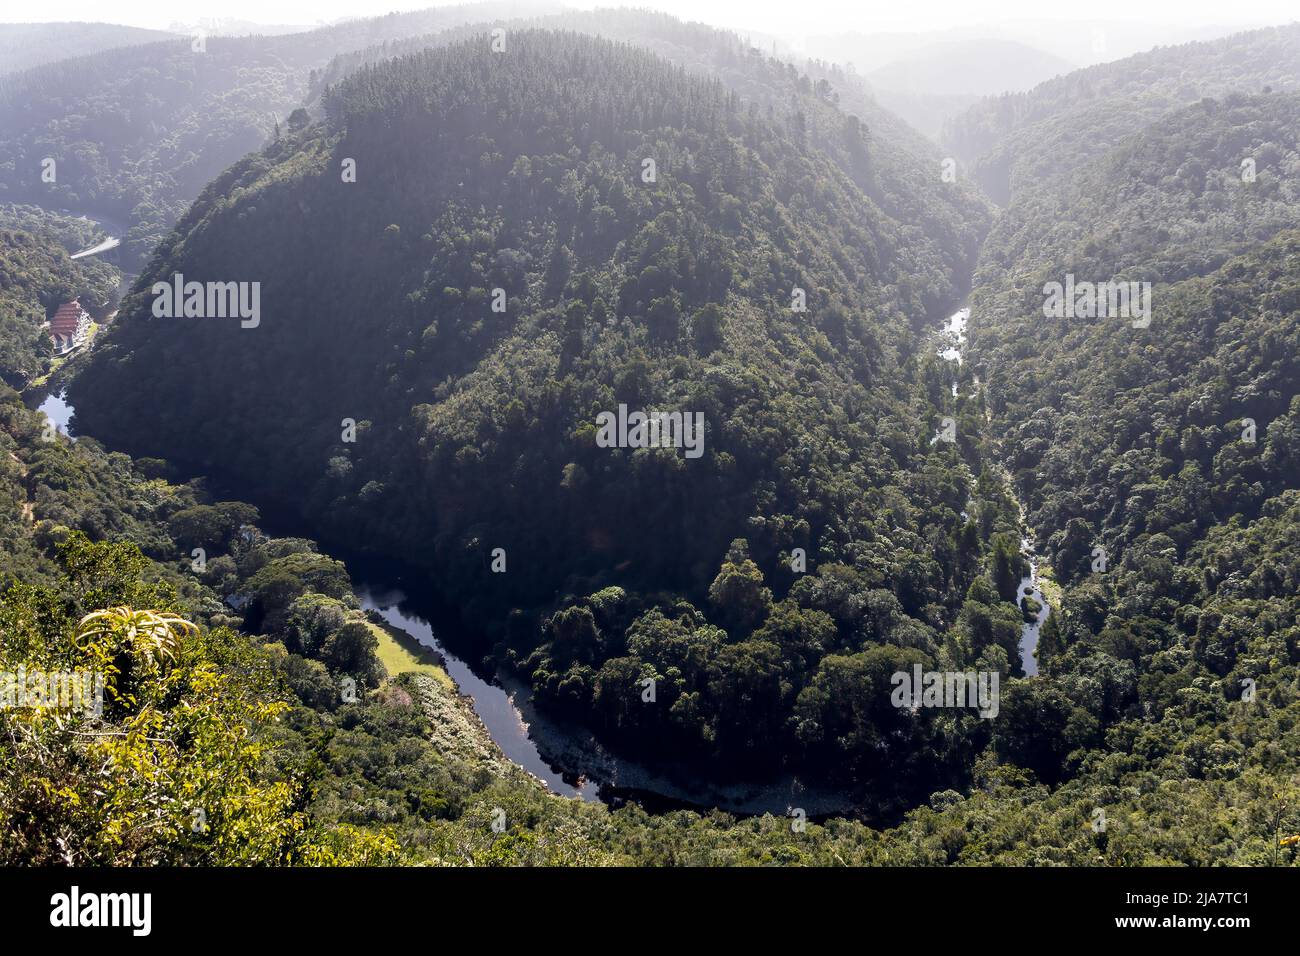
898,169
207,109
982,67
1016,141
931,85
25,45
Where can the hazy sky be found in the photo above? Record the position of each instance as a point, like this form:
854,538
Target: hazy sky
794,18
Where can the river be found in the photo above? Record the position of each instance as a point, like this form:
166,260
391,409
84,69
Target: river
494,705
59,412
951,340
567,758
1030,630
113,229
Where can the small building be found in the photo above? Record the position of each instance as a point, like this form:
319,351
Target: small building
69,328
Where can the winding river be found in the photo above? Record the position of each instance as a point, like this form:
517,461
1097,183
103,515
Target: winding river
952,339
567,758
494,704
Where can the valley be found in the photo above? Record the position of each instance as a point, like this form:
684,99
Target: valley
462,605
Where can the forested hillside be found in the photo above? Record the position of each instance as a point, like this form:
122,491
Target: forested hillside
272,765
137,132
1016,142
1172,201
1174,206
476,429
468,250
25,45
817,103
1157,463
36,276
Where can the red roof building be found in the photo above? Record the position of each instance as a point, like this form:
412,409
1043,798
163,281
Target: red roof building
69,327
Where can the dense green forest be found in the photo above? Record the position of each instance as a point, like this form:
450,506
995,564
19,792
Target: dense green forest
206,110
36,276
1013,142
407,774
1157,464
675,293
891,162
825,538
1167,446
136,132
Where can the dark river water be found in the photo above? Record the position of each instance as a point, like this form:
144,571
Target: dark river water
567,758
494,704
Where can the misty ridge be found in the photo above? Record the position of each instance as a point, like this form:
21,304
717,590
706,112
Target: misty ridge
505,434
